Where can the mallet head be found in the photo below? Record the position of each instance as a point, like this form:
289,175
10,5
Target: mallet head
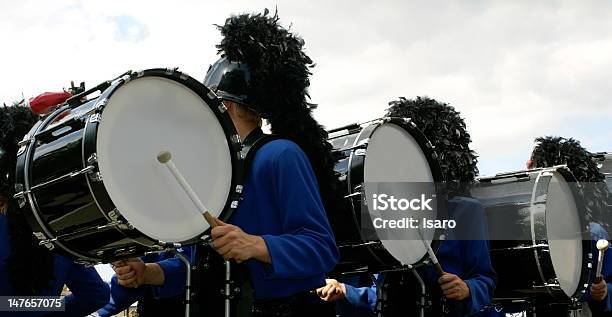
164,157
602,245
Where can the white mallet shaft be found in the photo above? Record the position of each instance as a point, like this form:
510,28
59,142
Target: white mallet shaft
165,158
432,255
602,246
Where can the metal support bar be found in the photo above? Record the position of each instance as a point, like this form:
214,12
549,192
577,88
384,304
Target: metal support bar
185,261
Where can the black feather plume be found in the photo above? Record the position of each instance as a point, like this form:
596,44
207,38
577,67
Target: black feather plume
279,84
446,130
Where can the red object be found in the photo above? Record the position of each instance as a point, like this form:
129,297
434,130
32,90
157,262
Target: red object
43,102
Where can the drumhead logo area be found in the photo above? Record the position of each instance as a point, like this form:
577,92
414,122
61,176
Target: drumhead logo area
402,211
390,203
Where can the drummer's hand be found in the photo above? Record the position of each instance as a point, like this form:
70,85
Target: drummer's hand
130,273
599,291
333,291
453,287
233,243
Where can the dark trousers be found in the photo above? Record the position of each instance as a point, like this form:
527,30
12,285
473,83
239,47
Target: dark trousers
303,305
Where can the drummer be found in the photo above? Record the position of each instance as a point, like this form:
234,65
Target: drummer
26,268
469,279
550,151
280,230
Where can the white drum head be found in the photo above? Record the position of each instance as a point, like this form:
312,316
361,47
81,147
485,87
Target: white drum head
394,156
564,234
153,114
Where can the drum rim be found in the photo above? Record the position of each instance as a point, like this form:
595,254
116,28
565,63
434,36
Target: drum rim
435,168
216,106
587,255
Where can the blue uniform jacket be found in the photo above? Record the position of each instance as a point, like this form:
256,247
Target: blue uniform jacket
89,292
597,233
174,282
469,259
281,202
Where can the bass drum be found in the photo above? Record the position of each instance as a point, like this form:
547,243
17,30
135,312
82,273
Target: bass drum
88,179
389,151
540,243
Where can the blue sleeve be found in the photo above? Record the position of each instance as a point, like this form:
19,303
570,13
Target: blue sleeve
88,291
121,298
597,232
361,297
175,275
479,274
308,248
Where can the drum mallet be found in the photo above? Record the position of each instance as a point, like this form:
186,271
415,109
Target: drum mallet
432,255
165,158
602,246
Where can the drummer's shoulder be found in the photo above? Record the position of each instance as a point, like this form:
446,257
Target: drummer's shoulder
282,149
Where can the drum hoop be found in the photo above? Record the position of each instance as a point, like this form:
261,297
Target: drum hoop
565,172
536,254
214,102
432,160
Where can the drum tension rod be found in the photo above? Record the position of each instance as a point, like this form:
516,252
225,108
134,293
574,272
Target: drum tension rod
81,231
87,169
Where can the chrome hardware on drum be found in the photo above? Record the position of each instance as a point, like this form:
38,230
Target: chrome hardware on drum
604,161
89,181
540,244
388,150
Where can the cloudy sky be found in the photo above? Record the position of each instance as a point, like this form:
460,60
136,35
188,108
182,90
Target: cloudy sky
514,69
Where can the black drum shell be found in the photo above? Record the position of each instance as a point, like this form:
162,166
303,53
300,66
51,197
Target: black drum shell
524,265
62,198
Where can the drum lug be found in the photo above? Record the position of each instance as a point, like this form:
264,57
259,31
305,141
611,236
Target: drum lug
95,176
126,78
211,95
115,216
47,243
92,159
235,139
360,152
116,223
234,204
20,196
171,70
222,108
101,104
95,118
25,142
239,189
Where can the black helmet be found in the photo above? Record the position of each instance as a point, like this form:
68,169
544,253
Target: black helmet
230,80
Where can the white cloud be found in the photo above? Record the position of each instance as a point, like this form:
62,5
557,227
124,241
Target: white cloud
515,69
